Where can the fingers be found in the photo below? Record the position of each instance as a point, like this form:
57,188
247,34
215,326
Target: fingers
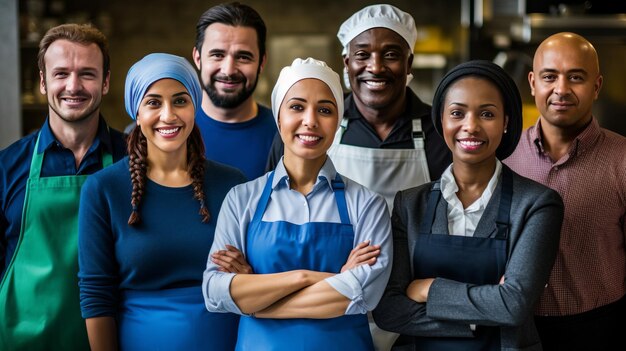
227,263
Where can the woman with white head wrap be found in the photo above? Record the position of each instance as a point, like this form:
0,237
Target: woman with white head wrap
140,275
318,243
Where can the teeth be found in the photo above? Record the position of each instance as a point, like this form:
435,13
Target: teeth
375,84
73,100
168,131
308,137
470,142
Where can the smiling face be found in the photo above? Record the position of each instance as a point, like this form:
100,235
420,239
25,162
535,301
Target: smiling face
229,64
473,120
378,63
166,117
565,81
74,81
308,119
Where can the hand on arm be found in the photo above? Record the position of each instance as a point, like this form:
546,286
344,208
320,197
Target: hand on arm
231,260
363,253
102,333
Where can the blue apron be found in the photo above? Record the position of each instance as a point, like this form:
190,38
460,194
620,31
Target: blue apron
173,319
474,260
281,246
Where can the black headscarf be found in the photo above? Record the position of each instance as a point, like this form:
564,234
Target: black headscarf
508,89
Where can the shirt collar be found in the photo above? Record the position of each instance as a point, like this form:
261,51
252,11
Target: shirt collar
449,188
48,140
324,177
583,141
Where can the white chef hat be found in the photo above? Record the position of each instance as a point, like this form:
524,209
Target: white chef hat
302,69
378,16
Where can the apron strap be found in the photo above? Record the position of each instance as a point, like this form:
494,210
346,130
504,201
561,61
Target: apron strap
340,197
36,162
429,215
265,198
418,135
504,211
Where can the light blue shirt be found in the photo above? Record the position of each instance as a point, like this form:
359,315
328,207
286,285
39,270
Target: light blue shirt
362,285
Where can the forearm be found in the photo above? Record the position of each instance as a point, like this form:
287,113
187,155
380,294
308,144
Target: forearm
102,333
319,301
255,292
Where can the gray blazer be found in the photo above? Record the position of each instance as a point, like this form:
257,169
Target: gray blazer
536,217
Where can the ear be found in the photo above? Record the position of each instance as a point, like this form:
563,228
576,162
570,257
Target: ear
597,85
105,83
531,82
409,63
42,83
263,62
346,60
506,122
196,57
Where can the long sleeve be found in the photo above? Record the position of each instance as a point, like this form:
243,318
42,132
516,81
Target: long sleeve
98,278
533,243
365,284
230,229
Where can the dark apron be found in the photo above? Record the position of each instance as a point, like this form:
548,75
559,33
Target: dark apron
173,319
281,246
39,291
473,260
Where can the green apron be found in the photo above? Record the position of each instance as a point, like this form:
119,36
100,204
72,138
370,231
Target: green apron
39,291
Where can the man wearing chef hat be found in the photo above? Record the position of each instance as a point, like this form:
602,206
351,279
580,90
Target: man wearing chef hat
386,141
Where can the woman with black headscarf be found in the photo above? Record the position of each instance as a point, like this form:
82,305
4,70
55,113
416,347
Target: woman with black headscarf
473,250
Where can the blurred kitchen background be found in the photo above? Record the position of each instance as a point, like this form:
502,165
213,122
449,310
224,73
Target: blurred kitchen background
450,32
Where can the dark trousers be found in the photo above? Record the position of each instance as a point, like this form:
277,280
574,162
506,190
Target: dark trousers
601,329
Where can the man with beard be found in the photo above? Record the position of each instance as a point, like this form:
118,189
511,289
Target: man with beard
40,180
230,54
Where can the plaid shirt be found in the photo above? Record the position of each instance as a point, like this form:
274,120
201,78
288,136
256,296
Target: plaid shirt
590,269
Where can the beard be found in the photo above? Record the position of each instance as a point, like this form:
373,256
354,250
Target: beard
231,101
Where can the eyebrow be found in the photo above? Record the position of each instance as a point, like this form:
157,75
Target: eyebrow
319,102
160,96
552,70
238,52
465,105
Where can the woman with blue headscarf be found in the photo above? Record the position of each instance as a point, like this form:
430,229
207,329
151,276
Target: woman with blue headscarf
146,224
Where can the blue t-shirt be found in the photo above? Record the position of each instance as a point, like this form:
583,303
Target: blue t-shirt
58,161
167,249
244,145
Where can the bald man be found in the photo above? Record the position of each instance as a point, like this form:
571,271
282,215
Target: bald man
582,307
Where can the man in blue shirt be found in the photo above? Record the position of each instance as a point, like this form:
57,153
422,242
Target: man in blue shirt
230,54
40,180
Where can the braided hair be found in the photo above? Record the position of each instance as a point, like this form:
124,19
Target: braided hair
138,166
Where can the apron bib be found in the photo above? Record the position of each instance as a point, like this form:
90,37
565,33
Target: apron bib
384,171
173,319
39,290
474,260
320,246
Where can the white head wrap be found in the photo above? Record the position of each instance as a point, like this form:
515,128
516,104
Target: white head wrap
377,16
303,69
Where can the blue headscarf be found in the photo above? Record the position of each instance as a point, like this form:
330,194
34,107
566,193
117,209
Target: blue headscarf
154,67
